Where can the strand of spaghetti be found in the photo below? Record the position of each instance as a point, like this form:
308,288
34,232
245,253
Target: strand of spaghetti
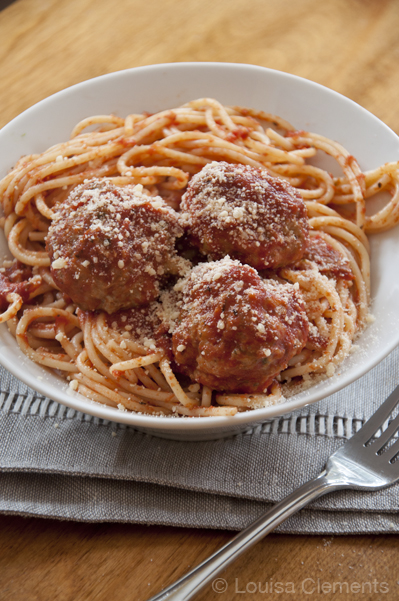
279,139
147,129
312,193
132,403
9,223
212,125
134,363
97,138
115,347
316,210
29,257
223,154
46,276
196,411
16,303
273,154
204,103
388,216
177,155
44,330
157,171
345,160
12,324
296,182
43,208
64,341
37,236
56,361
259,135
263,116
378,185
77,342
206,397
305,153
323,193
157,376
251,401
254,128
166,407
89,372
130,122
48,298
43,345
90,394
174,384
94,120
131,180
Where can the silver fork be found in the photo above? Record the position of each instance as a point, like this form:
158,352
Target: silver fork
365,462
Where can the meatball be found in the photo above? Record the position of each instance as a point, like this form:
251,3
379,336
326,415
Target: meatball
110,246
245,213
236,332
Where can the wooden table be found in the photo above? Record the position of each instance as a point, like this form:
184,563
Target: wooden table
351,46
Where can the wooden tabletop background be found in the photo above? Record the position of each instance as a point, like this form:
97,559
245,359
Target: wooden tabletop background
351,46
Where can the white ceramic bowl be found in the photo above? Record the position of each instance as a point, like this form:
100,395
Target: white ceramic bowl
307,106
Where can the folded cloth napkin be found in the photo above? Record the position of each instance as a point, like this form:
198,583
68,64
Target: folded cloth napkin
57,462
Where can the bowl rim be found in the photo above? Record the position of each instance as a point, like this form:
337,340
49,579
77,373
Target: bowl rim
80,403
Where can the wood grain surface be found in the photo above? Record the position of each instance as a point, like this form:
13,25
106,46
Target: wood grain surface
351,46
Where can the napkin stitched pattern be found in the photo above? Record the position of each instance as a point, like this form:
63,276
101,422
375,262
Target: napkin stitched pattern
57,462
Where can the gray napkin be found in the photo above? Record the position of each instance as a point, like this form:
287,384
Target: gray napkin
57,462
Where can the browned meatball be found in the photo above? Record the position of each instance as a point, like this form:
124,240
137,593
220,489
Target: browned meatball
245,213
237,332
109,246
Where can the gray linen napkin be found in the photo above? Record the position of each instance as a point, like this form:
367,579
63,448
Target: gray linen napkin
57,462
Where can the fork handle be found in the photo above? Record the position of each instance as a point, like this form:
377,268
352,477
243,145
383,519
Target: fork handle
190,584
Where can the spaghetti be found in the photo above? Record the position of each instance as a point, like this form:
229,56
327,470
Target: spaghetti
111,360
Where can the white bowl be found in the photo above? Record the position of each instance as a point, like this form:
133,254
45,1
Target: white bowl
307,106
